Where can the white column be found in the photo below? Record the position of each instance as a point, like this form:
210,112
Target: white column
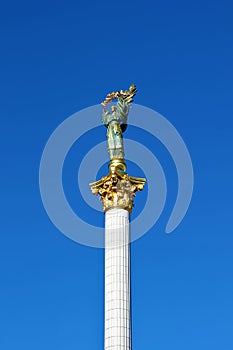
117,281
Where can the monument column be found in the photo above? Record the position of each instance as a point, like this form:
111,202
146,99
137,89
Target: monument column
116,191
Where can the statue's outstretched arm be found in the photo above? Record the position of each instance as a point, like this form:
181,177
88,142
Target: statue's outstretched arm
123,109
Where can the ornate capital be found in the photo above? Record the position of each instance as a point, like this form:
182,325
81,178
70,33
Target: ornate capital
117,189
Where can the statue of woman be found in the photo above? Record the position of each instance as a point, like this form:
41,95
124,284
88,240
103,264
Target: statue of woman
116,122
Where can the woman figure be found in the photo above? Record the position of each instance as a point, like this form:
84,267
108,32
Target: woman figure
116,122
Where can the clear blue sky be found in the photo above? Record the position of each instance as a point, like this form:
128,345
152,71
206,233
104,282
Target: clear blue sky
58,57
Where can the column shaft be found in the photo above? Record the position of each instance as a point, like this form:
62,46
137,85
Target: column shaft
117,280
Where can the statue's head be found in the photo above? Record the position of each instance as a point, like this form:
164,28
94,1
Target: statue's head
113,108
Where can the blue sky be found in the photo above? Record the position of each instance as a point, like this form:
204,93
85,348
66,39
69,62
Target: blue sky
58,57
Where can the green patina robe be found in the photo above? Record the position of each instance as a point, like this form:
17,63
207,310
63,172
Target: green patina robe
113,121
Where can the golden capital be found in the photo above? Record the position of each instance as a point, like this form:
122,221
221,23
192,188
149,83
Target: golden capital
117,189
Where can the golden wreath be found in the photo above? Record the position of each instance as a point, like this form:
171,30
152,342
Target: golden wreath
127,95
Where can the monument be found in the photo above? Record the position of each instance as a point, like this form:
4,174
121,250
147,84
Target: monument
116,191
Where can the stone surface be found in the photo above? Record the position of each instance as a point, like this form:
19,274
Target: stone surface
117,280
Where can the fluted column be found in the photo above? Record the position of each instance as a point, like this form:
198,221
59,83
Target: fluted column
117,280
